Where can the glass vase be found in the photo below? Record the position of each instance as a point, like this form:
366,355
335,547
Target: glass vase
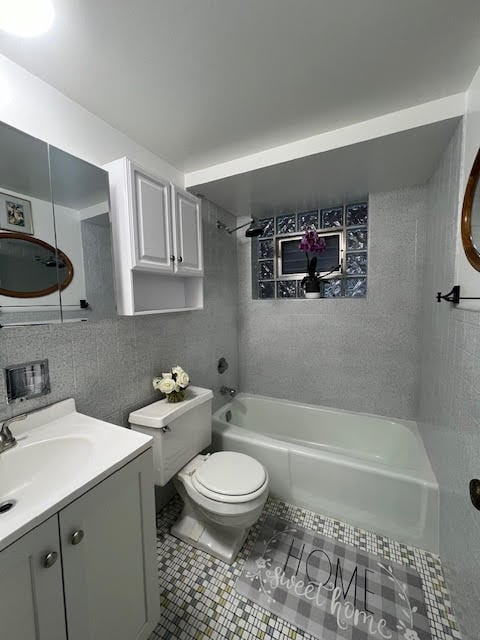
176,396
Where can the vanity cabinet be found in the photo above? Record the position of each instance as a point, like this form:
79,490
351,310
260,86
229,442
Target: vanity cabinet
157,240
31,590
109,572
102,583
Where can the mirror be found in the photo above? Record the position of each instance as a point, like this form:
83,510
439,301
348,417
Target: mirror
31,268
55,239
470,226
81,205
26,215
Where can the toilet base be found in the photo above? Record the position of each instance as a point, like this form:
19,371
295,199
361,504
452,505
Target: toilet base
221,542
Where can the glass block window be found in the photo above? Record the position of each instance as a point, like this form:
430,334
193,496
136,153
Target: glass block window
286,288
332,288
356,239
266,270
332,217
357,214
308,220
356,263
265,249
268,227
286,224
279,266
266,290
356,287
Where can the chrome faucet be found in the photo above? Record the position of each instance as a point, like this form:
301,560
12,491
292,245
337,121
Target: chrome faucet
228,391
7,439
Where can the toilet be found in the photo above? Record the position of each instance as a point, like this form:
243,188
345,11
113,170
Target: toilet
223,493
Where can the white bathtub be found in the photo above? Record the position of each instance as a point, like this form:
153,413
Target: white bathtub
369,471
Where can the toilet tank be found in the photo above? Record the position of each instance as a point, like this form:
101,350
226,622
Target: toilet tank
179,430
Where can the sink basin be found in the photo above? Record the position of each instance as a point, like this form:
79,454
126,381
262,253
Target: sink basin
60,454
31,467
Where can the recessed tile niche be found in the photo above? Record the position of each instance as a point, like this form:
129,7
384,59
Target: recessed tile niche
345,228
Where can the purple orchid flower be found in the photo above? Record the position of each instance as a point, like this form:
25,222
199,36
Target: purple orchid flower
311,242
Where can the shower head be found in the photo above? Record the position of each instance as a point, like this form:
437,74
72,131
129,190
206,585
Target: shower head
254,228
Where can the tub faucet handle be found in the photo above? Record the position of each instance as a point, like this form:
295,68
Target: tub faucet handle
228,391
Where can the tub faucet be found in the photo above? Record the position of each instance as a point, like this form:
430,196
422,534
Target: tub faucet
7,439
228,391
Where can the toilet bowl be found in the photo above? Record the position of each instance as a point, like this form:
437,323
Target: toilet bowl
223,493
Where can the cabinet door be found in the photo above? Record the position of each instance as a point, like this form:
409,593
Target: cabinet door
152,222
188,232
31,595
109,564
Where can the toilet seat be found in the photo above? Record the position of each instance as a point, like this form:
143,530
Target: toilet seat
230,477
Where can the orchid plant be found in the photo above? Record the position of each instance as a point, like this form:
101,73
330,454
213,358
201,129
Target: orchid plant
173,384
312,243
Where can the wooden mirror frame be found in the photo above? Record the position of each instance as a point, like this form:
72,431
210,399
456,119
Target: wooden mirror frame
472,253
42,292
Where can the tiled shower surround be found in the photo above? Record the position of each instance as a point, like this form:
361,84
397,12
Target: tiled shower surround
351,220
449,409
360,354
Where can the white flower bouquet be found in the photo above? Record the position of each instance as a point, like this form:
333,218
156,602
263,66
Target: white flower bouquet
173,384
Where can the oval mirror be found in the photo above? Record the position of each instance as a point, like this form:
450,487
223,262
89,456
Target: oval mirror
471,216
29,267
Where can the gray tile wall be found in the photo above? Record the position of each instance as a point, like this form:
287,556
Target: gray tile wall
358,354
107,366
449,411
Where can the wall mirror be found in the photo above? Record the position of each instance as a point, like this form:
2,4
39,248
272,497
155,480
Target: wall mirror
80,196
55,247
470,225
26,212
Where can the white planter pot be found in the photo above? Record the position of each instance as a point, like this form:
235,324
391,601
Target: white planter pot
313,294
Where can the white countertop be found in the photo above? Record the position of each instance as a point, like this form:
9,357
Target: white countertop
60,455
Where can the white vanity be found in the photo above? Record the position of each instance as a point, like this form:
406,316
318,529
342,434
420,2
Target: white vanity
77,548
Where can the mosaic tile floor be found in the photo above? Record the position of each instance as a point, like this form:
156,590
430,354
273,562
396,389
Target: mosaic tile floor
198,597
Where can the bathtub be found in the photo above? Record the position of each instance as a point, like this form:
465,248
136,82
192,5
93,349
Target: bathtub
366,470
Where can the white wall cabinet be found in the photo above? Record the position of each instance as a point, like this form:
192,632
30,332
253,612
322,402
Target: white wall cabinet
106,547
157,242
188,232
152,222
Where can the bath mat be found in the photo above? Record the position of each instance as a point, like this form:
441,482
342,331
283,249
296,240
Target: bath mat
332,590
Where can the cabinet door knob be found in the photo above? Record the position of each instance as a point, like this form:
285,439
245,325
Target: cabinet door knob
50,559
180,259
77,537
172,258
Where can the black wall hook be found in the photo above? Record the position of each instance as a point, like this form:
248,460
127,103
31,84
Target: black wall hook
453,296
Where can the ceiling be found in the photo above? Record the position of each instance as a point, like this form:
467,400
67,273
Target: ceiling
341,175
200,82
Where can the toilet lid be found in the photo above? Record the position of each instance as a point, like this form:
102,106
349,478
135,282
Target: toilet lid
231,474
